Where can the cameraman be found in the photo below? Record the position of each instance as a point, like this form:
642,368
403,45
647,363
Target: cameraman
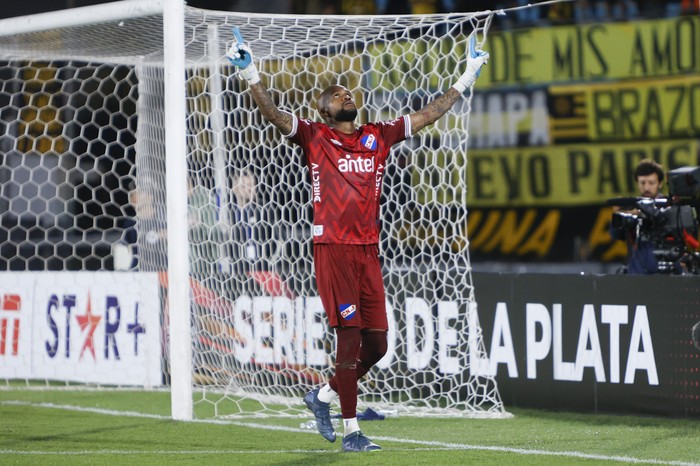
641,260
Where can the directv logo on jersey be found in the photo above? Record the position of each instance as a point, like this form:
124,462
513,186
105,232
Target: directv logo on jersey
369,141
316,182
347,311
358,165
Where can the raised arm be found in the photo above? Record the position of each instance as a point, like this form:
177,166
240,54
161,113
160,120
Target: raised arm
282,120
240,55
438,107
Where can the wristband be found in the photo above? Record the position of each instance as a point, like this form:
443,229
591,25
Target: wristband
250,74
464,82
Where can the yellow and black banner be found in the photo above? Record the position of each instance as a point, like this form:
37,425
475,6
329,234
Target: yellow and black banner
631,110
635,110
542,56
565,175
593,52
551,234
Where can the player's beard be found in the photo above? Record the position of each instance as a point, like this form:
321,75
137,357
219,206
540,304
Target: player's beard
346,115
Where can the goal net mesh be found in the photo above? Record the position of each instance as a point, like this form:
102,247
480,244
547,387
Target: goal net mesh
83,145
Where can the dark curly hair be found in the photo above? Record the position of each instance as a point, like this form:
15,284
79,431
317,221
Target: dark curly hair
648,167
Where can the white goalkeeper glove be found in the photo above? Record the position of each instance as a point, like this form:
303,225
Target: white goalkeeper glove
475,60
240,55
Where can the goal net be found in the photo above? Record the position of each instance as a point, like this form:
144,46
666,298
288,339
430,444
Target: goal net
84,171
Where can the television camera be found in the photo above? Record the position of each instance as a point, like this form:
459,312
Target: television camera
668,224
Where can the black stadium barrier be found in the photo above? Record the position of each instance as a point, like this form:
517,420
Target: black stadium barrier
593,343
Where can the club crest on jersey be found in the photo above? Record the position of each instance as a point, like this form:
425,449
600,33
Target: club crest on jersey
347,311
369,141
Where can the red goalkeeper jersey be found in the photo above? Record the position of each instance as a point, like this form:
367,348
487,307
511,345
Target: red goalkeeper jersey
346,176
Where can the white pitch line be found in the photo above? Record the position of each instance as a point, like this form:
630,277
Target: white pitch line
158,452
428,445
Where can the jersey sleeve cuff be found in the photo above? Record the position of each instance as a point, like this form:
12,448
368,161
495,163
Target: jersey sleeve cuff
408,131
295,125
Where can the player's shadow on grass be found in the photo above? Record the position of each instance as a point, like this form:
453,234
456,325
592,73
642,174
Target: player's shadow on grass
74,435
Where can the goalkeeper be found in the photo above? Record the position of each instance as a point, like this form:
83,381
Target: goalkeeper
346,164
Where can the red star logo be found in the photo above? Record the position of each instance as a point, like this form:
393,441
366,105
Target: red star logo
89,321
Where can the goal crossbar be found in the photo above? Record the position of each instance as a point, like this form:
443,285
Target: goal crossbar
94,14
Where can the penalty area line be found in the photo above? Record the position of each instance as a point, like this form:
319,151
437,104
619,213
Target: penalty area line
422,445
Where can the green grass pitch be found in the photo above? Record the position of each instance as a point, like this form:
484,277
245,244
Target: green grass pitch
74,427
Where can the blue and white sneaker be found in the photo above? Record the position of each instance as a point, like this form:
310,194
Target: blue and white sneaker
322,413
358,442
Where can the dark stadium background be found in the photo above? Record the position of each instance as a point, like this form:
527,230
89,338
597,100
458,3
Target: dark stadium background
570,252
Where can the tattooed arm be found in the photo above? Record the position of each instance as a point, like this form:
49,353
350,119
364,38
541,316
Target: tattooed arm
282,120
241,56
434,110
437,108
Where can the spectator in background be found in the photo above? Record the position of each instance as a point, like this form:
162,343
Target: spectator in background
202,218
124,251
144,230
253,242
254,248
245,216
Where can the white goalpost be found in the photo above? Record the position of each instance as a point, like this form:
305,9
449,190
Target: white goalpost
131,150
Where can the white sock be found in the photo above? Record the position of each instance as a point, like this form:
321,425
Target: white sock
326,394
351,425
